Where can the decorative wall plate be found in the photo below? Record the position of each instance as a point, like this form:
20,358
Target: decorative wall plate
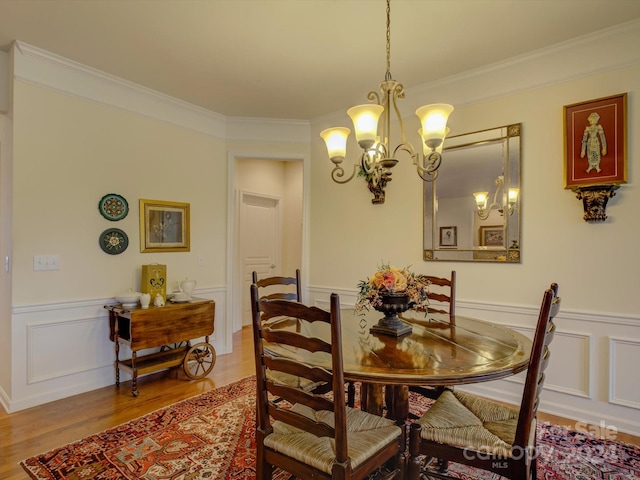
113,207
113,241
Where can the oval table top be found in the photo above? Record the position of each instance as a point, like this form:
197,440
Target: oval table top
435,353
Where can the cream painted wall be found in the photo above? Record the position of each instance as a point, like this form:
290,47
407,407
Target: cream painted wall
595,264
84,150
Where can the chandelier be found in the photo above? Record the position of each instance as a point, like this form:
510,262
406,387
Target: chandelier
378,155
510,205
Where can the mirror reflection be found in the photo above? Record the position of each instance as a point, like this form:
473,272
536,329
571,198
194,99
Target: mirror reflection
472,210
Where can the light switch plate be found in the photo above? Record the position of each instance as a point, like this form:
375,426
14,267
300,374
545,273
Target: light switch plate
46,262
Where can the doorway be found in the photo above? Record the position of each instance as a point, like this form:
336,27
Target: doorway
260,240
268,234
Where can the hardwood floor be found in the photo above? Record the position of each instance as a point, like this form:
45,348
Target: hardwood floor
42,428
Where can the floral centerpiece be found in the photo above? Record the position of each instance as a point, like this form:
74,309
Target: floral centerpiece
391,281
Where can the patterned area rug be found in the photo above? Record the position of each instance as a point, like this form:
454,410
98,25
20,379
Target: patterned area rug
212,437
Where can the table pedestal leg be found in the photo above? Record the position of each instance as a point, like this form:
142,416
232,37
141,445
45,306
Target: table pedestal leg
372,398
397,400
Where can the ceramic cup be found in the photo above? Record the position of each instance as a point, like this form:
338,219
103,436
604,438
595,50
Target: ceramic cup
145,300
180,297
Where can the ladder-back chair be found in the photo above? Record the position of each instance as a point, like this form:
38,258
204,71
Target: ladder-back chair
463,428
313,435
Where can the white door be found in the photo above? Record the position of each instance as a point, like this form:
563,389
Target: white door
260,242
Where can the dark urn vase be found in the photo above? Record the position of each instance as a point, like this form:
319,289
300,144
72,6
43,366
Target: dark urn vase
390,324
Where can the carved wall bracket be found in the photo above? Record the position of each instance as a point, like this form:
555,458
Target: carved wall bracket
594,200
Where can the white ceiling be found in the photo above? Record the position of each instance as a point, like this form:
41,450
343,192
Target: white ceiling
295,59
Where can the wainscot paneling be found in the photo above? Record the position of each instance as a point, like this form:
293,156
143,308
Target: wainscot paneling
624,388
67,349
593,359
73,350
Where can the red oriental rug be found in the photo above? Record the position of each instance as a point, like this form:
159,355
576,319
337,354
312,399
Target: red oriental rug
212,436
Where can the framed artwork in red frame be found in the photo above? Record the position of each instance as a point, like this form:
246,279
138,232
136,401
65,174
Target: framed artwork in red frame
595,142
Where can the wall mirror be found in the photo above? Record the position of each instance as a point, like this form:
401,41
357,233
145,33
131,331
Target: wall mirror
472,210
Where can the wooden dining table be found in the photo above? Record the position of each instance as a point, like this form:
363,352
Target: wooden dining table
439,351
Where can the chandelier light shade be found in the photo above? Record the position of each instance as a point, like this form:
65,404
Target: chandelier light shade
426,150
434,123
336,141
372,128
365,123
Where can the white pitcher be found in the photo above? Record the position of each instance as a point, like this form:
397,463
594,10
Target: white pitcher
145,300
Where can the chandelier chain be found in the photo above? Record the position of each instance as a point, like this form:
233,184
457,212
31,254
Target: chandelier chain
388,74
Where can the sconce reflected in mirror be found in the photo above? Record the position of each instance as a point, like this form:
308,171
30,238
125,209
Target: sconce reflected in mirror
481,199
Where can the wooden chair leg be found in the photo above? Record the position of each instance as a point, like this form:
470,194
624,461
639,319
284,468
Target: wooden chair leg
351,394
413,468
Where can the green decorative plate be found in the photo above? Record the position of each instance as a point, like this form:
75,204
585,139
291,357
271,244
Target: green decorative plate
113,207
113,241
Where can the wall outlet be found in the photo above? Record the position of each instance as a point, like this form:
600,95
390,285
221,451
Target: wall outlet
46,262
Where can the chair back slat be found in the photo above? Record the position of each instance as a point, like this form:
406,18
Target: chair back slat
268,283
315,374
296,340
538,361
273,309
295,395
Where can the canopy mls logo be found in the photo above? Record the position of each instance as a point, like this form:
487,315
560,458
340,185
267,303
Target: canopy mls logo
596,452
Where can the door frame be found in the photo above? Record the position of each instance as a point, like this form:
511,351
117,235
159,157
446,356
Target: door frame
233,310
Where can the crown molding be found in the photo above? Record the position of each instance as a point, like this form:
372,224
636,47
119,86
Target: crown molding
608,49
39,67
590,54
242,129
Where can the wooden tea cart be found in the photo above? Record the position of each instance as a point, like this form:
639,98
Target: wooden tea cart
171,328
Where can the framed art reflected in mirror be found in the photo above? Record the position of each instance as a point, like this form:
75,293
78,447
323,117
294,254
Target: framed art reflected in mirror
492,236
448,236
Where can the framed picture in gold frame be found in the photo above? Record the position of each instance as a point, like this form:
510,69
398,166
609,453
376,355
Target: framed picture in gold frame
595,140
164,226
492,236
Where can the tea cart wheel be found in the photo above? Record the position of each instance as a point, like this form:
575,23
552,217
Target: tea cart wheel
199,360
